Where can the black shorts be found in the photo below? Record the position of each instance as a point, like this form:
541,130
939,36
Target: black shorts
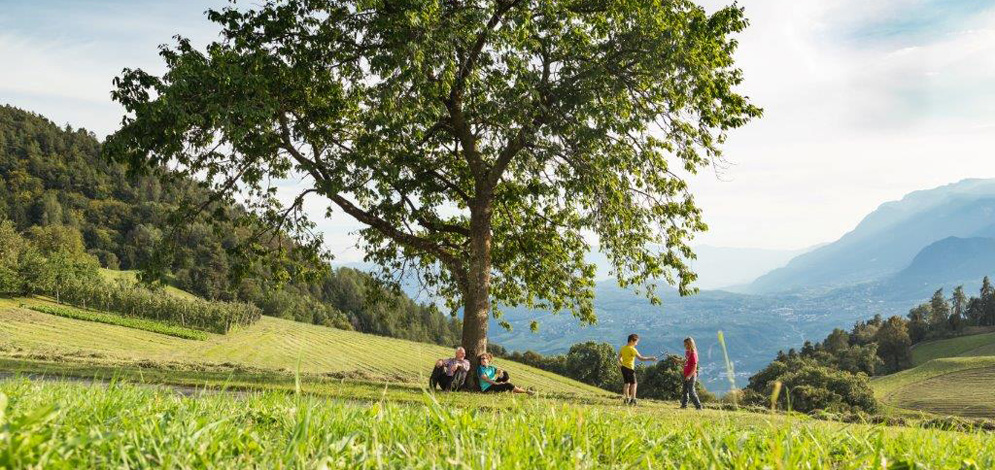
628,375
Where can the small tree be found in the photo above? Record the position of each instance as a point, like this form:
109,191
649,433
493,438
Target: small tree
478,141
987,304
596,364
958,303
918,326
939,310
665,380
894,344
11,245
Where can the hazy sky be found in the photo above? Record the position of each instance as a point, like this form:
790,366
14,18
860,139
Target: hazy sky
864,101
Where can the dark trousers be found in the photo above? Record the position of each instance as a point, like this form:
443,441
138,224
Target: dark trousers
690,392
445,381
502,384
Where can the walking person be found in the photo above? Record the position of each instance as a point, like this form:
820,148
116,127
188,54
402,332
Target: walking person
690,374
627,361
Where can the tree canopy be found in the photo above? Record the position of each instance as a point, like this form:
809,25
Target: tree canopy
480,142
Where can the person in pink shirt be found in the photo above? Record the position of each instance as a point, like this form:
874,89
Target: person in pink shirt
690,374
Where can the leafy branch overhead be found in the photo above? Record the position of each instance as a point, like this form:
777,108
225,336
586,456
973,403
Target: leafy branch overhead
481,141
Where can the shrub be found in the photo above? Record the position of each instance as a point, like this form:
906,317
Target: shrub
808,386
665,380
136,323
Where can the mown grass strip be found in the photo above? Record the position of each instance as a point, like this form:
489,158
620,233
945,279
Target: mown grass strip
128,322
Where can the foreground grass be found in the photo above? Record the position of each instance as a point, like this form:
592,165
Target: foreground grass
271,343
128,322
61,425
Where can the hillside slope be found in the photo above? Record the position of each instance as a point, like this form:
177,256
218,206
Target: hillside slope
887,239
271,343
949,262
952,376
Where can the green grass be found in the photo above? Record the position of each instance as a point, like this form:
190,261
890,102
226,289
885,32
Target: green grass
973,345
956,385
269,344
954,376
131,278
128,322
64,425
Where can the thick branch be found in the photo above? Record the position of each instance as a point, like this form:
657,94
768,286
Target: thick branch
381,225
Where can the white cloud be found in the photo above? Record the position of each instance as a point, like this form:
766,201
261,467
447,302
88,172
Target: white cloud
857,110
849,122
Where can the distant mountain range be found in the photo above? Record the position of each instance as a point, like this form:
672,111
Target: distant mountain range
888,239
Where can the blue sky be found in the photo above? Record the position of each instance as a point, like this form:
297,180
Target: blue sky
866,100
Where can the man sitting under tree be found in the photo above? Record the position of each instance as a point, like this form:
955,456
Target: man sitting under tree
449,374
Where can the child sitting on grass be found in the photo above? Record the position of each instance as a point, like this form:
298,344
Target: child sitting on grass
627,359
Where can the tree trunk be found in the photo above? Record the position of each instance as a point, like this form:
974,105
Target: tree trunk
476,295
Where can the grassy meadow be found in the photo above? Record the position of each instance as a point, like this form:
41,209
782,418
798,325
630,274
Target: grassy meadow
973,345
65,425
271,344
79,393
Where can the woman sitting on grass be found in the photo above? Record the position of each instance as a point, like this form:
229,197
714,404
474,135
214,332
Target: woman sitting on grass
493,379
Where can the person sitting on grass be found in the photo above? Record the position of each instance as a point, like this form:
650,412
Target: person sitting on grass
449,374
627,360
493,379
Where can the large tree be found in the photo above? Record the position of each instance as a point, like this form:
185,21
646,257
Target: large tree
485,144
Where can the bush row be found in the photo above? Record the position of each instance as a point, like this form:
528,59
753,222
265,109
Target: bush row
136,323
139,302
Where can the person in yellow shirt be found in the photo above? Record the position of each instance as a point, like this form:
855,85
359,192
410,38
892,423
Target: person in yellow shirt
627,360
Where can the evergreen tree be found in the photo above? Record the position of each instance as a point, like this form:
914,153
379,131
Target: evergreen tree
958,304
939,310
987,303
918,324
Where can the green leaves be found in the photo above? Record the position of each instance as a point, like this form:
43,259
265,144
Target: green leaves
556,126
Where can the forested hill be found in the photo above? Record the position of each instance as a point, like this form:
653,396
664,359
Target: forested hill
55,176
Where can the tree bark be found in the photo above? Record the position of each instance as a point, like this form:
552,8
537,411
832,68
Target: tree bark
476,298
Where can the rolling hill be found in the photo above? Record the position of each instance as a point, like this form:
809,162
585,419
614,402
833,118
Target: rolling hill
270,344
888,239
951,376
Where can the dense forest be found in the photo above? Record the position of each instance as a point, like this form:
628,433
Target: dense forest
55,177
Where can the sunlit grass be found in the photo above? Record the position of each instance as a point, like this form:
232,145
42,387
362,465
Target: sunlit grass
75,426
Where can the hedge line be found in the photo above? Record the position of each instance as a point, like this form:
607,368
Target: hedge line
111,319
139,302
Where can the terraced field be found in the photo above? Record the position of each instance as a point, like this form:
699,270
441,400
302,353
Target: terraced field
271,343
